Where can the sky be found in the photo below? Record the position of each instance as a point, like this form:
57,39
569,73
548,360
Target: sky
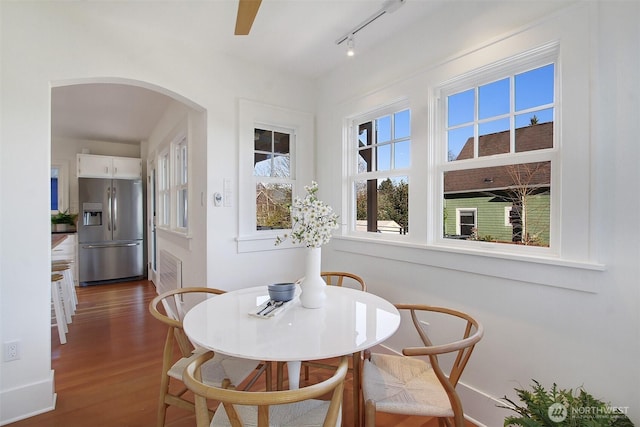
533,95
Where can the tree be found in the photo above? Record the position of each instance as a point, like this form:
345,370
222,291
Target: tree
527,182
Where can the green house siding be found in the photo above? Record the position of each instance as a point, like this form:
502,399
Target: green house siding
537,218
490,217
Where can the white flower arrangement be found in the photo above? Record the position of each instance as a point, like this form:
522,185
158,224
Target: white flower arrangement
311,220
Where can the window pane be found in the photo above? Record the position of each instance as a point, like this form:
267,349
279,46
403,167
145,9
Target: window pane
272,206
384,157
280,143
54,194
534,88
524,188
402,154
364,160
383,129
402,124
460,108
262,164
535,117
494,137
534,136
262,140
382,206
281,167
460,143
182,208
363,135
493,99
182,166
165,208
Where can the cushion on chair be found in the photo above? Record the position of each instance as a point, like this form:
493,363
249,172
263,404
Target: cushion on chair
406,385
303,414
215,370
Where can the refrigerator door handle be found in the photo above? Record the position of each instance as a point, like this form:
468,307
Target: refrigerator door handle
109,208
115,208
124,245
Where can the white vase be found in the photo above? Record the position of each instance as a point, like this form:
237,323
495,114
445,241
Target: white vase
313,286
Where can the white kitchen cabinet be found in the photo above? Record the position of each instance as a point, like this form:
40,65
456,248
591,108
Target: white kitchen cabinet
95,166
67,251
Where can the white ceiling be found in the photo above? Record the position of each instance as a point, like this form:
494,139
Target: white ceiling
294,35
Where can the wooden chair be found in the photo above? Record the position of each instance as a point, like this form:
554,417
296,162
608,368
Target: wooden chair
221,369
336,278
265,408
409,385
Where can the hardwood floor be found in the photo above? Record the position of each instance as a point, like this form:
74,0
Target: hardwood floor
108,373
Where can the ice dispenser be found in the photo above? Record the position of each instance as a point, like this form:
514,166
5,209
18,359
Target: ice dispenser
92,214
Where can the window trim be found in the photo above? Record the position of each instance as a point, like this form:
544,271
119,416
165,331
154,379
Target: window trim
253,115
459,211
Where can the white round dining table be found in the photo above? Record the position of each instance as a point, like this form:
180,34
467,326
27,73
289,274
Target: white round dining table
350,321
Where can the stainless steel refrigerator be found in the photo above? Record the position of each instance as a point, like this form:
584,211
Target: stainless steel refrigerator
110,230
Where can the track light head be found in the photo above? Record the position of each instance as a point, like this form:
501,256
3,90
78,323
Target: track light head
350,46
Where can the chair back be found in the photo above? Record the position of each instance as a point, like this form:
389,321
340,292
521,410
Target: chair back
262,400
175,306
342,278
462,347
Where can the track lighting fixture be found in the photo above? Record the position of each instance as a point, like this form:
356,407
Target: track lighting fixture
350,51
389,6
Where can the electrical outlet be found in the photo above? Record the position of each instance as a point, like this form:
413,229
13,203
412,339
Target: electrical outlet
11,351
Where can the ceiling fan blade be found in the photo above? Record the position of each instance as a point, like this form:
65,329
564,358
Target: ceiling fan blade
247,11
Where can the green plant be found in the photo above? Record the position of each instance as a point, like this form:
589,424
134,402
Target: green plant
560,407
64,218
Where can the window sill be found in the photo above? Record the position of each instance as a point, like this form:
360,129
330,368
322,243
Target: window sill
177,237
548,271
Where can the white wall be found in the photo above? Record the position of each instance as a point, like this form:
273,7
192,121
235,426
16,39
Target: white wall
45,44
532,331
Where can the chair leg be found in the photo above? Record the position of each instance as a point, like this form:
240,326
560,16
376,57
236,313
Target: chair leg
369,414
279,375
269,376
162,405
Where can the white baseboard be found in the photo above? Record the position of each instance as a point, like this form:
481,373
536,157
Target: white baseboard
27,400
479,408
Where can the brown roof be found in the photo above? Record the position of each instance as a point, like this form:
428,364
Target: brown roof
529,138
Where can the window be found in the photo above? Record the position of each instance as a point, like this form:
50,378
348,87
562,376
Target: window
277,160
173,185
273,178
380,182
164,199
466,225
181,187
54,189
497,154
59,186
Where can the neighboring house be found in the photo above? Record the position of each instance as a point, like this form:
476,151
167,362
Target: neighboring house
503,203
